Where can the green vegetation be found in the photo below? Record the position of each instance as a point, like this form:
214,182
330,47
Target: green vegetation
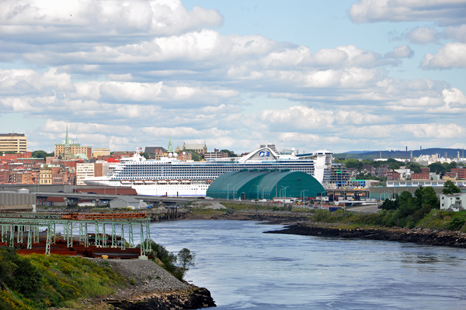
420,210
40,282
439,167
41,154
450,188
194,155
353,163
165,259
186,259
415,167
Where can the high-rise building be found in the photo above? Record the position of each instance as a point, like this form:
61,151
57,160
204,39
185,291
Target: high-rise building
84,170
13,142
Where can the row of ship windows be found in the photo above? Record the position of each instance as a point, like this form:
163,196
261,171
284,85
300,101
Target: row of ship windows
210,169
182,173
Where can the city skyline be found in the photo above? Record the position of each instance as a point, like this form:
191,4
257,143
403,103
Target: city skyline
337,75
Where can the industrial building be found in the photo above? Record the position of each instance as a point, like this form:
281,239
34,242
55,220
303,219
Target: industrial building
264,184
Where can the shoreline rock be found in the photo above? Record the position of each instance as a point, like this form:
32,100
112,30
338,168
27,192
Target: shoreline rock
420,236
195,298
149,286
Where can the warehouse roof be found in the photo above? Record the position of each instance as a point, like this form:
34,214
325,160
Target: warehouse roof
264,184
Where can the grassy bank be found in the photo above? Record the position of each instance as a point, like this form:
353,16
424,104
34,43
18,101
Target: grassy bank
435,219
40,281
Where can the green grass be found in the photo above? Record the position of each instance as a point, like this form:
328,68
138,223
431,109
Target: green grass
61,281
435,219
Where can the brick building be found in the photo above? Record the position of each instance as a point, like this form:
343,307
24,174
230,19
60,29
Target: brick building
460,173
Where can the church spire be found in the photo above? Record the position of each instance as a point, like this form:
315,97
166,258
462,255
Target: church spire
170,146
67,142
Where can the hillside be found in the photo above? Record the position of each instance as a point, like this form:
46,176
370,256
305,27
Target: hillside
452,153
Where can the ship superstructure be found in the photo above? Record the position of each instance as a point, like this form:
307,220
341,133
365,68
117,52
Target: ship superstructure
172,177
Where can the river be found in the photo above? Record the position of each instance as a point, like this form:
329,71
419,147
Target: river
247,269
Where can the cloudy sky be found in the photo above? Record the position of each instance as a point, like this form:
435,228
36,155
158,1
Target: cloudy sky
338,75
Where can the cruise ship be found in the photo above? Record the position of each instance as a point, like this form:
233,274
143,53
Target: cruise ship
172,177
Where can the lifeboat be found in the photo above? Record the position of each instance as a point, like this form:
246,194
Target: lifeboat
162,182
149,182
209,181
125,182
186,182
174,182
138,182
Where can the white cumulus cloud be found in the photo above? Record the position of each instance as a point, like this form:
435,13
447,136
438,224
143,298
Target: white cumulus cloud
452,55
445,12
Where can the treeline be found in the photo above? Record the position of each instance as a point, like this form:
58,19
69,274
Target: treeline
409,209
393,164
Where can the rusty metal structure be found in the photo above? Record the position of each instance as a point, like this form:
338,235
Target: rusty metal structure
76,228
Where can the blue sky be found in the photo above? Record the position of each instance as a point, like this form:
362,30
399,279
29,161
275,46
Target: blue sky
335,75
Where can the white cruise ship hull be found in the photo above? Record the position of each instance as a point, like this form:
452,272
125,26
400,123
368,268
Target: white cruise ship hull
190,190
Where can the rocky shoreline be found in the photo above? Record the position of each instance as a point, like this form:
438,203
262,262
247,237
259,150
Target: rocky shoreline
420,236
149,286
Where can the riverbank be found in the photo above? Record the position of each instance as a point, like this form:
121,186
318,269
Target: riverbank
151,287
416,235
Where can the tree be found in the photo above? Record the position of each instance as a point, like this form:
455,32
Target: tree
352,163
145,155
424,196
437,167
41,154
415,167
167,258
450,188
194,155
186,259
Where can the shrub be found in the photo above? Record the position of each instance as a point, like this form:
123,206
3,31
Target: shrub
456,223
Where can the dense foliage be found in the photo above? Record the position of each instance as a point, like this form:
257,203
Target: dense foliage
167,259
40,281
440,168
450,188
41,154
407,210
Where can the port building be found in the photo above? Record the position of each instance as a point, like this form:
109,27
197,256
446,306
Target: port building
264,184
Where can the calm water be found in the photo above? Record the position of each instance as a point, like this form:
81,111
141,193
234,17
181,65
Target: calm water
246,269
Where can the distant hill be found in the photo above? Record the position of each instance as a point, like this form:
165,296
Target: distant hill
451,153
